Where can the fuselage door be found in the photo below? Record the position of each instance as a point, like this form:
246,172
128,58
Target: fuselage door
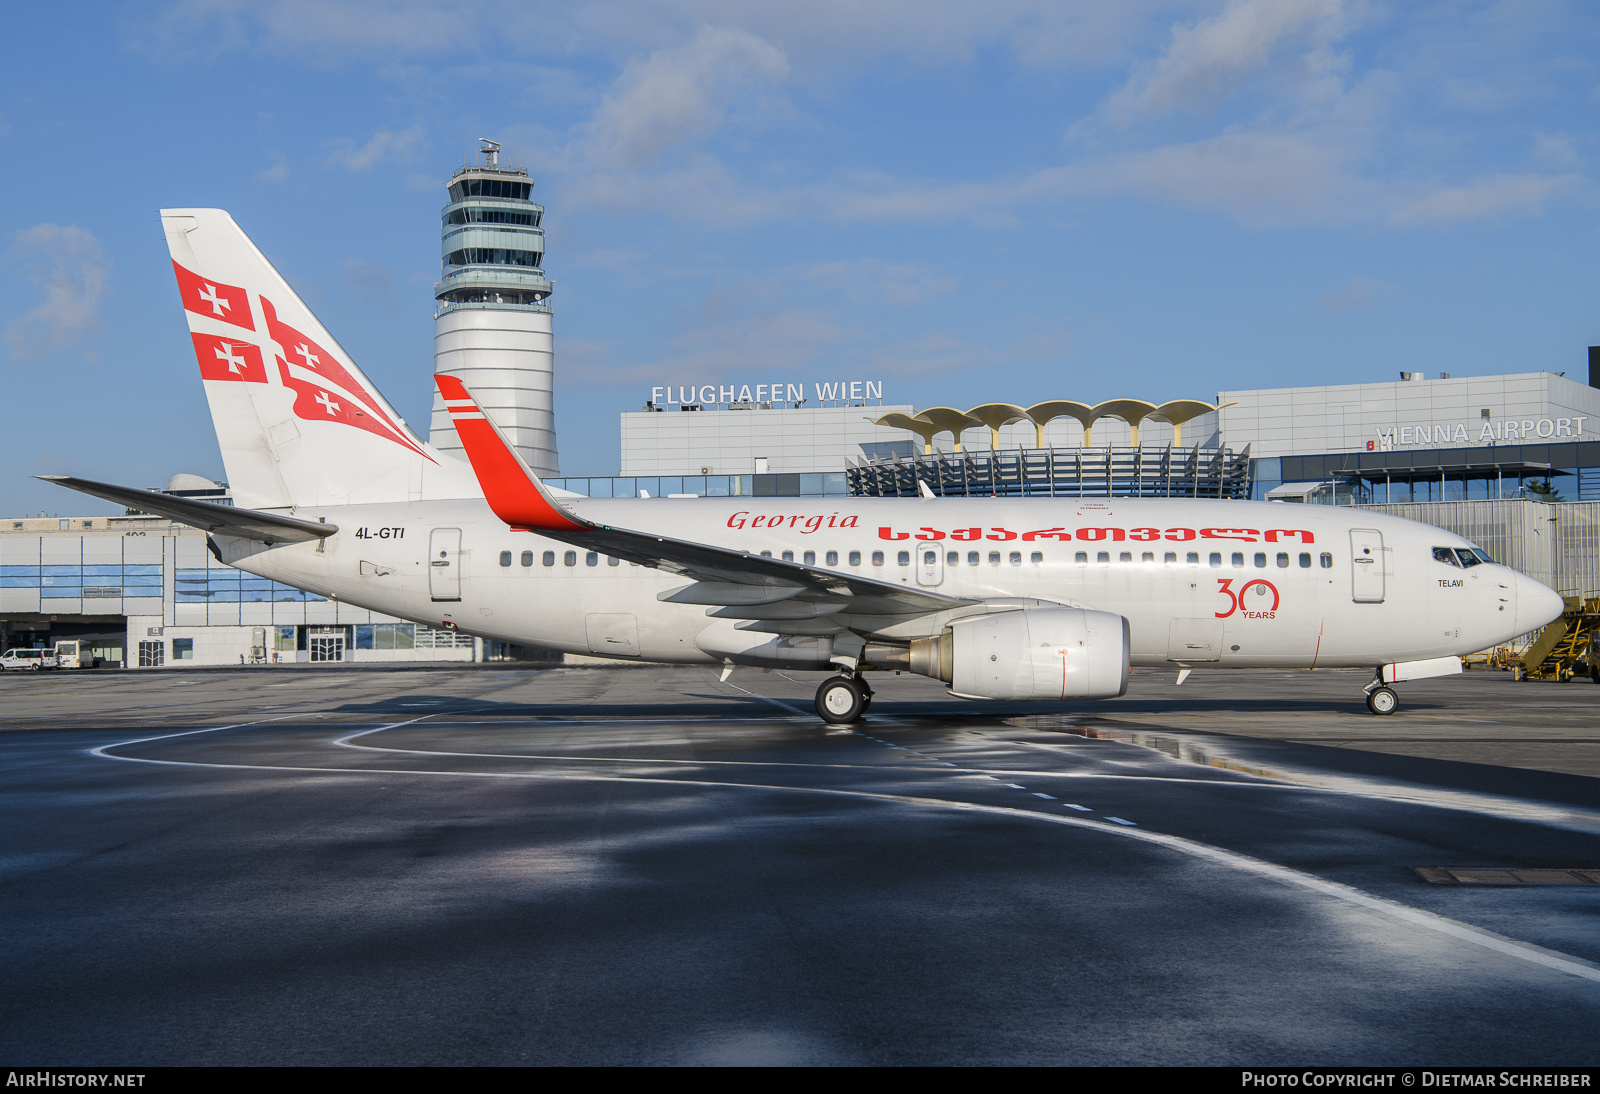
930,564
1366,565
444,564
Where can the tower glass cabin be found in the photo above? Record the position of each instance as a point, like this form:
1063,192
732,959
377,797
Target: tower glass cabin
492,323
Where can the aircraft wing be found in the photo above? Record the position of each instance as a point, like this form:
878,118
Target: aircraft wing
206,515
730,578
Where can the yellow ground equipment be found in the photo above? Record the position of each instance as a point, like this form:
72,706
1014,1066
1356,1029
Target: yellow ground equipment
1565,648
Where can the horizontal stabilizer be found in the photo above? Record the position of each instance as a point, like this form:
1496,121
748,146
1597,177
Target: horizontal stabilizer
206,515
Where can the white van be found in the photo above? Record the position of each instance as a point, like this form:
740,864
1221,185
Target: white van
28,659
74,653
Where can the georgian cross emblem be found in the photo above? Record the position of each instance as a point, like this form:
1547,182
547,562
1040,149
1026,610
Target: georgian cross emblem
219,304
306,355
327,404
225,353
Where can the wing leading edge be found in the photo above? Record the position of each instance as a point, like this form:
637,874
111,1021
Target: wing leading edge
208,516
517,497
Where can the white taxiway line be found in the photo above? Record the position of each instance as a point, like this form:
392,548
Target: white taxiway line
1412,917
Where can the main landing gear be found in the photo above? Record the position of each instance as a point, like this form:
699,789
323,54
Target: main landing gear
843,699
1381,698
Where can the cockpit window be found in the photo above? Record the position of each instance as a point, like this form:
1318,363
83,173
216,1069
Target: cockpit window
1468,558
1483,556
1445,555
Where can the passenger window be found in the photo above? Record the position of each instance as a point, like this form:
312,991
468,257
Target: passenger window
953,558
1148,556
788,556
1445,555
994,558
877,558
527,558
766,554
592,558
612,560
505,558
1305,560
1103,557
571,558
1036,557
1238,559
1194,559
1216,560
1261,561
1016,558
972,558
832,558
1468,559
855,558
1170,558
904,558
929,558
1283,560
1327,561
809,558
1081,558
549,558
1125,556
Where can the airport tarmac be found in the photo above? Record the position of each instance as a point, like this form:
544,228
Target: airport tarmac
648,865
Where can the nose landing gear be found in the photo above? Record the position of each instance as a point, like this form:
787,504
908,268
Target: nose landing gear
842,700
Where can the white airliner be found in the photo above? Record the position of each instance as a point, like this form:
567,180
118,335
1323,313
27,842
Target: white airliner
1011,599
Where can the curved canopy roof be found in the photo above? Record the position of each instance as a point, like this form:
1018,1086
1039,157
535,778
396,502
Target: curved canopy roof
944,419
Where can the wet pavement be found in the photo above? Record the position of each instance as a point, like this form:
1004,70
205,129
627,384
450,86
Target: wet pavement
506,865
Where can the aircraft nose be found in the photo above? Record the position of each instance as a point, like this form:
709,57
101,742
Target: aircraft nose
1537,604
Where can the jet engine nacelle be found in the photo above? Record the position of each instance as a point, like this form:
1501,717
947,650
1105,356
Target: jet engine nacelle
1044,653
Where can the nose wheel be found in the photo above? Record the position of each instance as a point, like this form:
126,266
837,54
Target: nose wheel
843,699
1382,700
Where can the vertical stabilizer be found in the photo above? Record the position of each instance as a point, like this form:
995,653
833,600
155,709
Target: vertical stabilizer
297,422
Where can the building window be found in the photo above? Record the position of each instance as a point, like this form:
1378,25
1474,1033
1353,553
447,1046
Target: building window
183,649
549,558
505,558
527,558
570,558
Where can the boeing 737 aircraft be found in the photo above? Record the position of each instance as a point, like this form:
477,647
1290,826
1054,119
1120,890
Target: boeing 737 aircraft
1011,599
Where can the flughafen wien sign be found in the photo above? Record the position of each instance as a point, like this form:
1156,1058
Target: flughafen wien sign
1521,431
778,391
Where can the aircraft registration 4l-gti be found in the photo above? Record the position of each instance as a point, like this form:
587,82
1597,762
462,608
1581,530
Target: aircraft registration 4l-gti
1010,599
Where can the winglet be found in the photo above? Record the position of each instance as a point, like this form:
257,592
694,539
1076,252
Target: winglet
514,493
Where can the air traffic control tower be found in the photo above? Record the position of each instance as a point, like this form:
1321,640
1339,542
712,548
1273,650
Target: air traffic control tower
492,327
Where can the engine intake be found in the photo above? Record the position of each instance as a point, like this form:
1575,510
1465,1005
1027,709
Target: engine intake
1044,653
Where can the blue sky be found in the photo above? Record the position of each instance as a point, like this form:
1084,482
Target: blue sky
1009,201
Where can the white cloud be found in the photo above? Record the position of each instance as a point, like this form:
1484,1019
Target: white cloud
68,265
1486,197
278,172
677,96
1206,61
384,145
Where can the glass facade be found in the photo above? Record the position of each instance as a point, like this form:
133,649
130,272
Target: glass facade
74,581
216,586
1543,472
707,486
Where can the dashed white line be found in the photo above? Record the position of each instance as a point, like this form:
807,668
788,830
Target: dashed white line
1119,820
1046,797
